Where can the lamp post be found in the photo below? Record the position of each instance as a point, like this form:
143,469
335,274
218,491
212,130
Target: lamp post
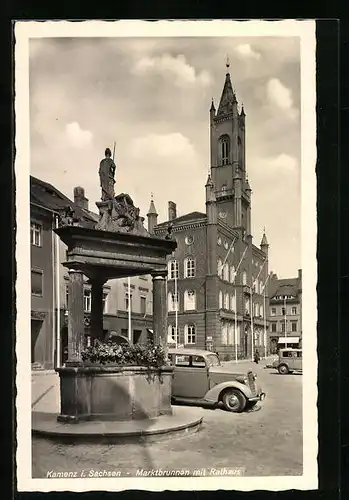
285,310
265,313
129,309
235,315
176,304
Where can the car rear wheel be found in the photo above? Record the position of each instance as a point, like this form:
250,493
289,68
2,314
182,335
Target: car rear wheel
234,400
283,369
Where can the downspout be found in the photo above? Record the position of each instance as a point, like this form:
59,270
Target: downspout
54,332
58,301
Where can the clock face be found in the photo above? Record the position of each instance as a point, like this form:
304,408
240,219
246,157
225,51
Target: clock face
222,214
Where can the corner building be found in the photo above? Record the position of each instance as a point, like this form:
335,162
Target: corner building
216,277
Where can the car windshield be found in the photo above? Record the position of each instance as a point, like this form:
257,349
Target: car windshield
212,360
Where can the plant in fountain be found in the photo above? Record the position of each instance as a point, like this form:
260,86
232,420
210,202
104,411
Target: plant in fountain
147,354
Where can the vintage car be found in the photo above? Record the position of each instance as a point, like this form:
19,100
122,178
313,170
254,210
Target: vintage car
199,377
288,361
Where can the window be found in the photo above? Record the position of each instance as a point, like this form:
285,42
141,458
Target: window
230,338
143,303
182,360
220,300
261,311
128,301
256,309
233,302
190,335
283,311
244,278
294,311
173,336
66,296
232,274
226,301
105,302
220,268
87,300
198,362
224,333
261,287
283,327
247,305
293,326
35,234
224,150
189,300
172,302
226,272
224,189
172,269
273,327
273,311
37,282
189,268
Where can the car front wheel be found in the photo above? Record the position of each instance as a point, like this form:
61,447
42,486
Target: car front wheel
283,369
234,400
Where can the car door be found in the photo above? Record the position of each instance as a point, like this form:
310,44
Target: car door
190,378
298,361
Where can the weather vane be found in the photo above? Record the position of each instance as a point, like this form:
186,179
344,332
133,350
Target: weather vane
227,63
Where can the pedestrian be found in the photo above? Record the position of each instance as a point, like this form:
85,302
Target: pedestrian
256,357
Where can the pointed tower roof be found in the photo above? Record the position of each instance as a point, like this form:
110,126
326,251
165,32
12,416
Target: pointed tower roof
209,181
212,108
152,209
264,241
248,187
242,111
228,96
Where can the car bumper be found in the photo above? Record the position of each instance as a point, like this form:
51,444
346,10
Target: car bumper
260,397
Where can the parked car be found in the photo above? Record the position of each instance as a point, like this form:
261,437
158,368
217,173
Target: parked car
288,361
199,377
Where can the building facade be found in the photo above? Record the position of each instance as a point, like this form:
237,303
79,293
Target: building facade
285,312
217,298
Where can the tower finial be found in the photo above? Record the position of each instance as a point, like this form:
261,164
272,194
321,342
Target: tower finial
227,62
151,196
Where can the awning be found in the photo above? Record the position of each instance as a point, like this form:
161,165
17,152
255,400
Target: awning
288,340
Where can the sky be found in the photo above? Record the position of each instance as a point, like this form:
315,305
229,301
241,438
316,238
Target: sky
152,96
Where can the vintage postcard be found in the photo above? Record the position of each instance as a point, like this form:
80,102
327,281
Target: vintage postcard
166,253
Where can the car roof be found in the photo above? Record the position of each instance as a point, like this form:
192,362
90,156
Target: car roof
189,352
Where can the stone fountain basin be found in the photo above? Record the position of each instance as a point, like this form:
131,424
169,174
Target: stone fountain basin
114,393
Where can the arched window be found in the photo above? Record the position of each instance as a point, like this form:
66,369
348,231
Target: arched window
226,301
240,151
220,268
233,302
172,302
244,278
232,274
247,306
220,299
226,272
261,287
190,334
224,149
189,267
172,334
172,269
189,300
261,311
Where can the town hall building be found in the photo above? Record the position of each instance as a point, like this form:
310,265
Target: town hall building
217,293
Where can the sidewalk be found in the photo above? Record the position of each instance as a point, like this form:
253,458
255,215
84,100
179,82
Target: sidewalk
45,391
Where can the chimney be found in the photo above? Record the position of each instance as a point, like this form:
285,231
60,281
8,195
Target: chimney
79,197
172,210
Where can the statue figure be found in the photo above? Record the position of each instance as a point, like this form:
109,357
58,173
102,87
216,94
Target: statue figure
107,170
169,235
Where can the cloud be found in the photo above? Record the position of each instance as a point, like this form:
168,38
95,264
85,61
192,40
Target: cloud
284,162
78,137
245,50
281,96
167,65
163,145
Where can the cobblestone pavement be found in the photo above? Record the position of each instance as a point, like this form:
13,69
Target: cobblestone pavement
265,442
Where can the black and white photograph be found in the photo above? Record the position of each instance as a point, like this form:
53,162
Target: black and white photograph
166,255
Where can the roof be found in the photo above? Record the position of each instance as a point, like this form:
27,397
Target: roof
286,286
43,193
152,209
228,97
264,240
184,218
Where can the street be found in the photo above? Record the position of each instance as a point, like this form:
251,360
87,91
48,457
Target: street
263,442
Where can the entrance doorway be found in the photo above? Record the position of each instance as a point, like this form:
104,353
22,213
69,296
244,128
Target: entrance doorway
136,336
36,326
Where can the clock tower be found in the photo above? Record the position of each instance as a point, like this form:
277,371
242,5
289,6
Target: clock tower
228,168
